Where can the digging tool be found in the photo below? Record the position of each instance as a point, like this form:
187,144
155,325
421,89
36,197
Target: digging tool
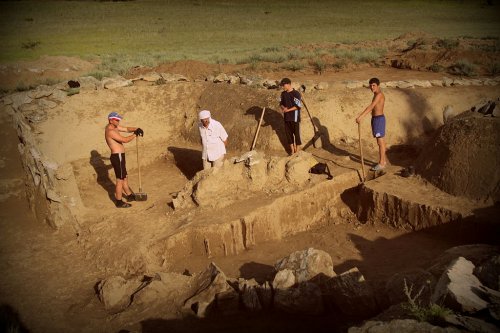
317,134
258,129
361,154
139,196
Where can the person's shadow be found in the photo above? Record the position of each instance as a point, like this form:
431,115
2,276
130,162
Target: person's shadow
323,134
271,118
101,169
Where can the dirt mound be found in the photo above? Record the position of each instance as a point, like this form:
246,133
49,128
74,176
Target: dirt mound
463,157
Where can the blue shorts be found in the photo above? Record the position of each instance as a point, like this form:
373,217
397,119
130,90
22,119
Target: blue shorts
378,126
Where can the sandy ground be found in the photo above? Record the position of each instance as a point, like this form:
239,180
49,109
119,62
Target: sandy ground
48,277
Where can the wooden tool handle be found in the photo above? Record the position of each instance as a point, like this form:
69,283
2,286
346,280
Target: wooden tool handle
138,162
361,153
258,129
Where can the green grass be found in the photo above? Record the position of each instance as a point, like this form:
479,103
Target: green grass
155,31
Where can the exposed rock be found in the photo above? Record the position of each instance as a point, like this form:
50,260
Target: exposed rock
285,278
175,77
471,324
170,287
40,91
221,78
46,104
321,86
354,84
116,82
304,265
305,298
151,77
115,293
457,288
205,287
488,272
404,85
19,99
249,294
59,96
233,79
436,83
401,325
89,83
350,294
297,168
447,82
245,80
271,84
476,253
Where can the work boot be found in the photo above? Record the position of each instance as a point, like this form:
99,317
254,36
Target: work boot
121,204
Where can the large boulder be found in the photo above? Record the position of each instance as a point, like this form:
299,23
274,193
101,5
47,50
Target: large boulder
304,298
488,272
463,157
350,294
458,288
302,266
205,287
297,168
401,325
116,293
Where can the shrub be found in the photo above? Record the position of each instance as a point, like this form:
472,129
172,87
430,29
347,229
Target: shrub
294,66
30,45
448,43
494,68
431,313
435,68
339,64
463,67
319,65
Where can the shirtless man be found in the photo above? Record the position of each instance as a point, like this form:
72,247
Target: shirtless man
115,142
378,121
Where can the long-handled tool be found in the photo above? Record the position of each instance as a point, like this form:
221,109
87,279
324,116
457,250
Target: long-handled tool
361,154
258,129
317,134
139,196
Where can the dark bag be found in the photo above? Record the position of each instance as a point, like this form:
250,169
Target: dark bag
320,169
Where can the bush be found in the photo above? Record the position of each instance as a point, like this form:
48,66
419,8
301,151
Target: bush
431,313
448,43
294,66
494,69
30,45
463,67
319,65
435,68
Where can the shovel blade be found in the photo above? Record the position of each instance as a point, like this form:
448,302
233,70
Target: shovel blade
141,196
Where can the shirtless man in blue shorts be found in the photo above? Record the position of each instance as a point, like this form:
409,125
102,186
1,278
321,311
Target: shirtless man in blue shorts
378,121
115,142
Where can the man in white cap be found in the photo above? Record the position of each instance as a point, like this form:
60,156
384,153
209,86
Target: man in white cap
213,140
115,142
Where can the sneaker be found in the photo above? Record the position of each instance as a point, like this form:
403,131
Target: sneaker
121,204
377,167
131,197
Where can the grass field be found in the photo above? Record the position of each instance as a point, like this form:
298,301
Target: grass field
148,32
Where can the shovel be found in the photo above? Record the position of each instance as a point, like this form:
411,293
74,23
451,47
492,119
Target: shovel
139,196
361,154
317,134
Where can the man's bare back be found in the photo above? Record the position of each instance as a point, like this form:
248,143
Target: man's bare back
378,101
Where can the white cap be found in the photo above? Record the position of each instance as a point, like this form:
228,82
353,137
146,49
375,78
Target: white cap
204,114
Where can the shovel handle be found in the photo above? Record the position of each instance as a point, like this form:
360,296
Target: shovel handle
138,162
258,129
361,154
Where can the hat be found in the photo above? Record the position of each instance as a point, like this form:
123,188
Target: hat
114,115
285,81
204,114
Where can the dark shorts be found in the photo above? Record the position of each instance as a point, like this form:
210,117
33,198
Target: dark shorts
119,165
292,132
378,126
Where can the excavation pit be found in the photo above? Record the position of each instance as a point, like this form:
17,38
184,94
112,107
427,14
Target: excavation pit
255,221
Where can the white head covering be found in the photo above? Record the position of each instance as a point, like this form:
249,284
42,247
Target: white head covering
204,114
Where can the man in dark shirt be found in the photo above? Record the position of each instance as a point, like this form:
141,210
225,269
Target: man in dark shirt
290,106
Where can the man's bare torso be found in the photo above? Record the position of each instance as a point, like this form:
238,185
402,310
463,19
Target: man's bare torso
115,146
378,109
